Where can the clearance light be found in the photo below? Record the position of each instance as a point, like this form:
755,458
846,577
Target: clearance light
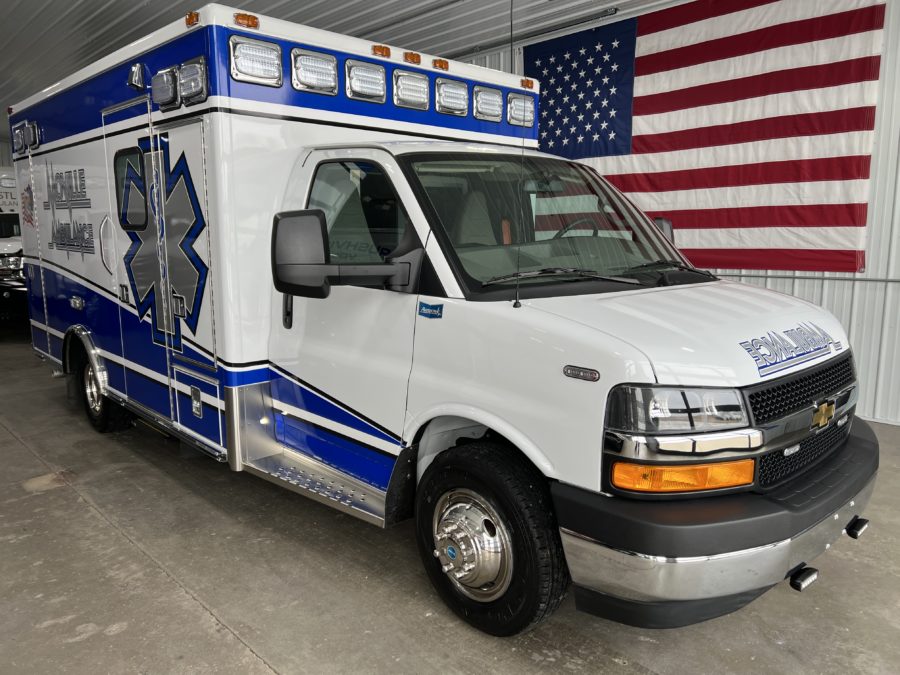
164,89
441,64
410,90
246,20
488,104
192,19
527,83
412,57
452,97
381,50
682,477
255,61
365,81
192,82
314,72
520,110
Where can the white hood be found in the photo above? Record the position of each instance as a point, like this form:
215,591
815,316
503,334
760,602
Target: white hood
10,245
715,334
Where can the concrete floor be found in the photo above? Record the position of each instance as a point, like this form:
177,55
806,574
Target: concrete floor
126,553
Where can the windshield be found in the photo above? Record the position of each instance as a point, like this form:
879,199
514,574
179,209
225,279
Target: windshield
9,225
527,220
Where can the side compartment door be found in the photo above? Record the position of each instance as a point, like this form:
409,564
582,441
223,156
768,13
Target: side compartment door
188,326
126,212
342,363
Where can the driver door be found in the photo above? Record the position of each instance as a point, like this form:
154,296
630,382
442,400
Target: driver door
346,359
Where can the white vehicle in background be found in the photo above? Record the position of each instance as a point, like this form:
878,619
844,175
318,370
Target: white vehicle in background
342,267
10,231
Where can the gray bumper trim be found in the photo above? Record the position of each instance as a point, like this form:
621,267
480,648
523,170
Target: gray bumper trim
636,576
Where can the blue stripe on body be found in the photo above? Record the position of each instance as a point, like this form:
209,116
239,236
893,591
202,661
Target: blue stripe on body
288,391
349,457
101,314
77,109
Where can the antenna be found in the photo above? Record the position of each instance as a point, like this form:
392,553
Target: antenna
512,67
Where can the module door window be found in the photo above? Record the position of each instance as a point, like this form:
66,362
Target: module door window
363,214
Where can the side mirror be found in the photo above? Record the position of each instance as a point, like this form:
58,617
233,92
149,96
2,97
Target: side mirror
665,226
300,254
301,260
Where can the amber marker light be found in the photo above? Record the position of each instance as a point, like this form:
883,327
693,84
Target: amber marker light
441,64
381,50
192,19
246,20
527,83
412,57
682,477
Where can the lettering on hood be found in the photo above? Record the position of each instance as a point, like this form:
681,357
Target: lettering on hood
780,350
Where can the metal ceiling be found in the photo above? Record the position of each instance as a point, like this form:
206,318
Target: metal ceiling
46,40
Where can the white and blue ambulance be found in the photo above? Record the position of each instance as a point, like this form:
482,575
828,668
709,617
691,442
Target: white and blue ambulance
344,268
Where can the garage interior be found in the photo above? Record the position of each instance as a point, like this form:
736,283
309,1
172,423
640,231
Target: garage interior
131,552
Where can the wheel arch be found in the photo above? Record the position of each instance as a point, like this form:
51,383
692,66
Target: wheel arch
442,428
80,336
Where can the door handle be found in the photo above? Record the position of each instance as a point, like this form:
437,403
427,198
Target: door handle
287,311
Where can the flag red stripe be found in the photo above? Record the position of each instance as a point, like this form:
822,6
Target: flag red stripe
692,12
809,260
777,82
781,35
807,215
786,126
762,173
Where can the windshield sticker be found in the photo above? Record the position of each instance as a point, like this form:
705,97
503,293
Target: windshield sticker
431,311
780,350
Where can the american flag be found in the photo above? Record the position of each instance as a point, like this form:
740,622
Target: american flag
748,123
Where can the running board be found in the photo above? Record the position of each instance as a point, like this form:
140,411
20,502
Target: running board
312,478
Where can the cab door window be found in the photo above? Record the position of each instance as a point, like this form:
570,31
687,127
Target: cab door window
363,214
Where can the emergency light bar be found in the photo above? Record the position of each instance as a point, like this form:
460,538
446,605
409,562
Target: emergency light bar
365,81
410,90
520,110
488,104
314,72
255,61
452,97
164,89
192,81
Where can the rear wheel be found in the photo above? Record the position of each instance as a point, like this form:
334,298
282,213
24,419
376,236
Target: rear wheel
488,538
103,414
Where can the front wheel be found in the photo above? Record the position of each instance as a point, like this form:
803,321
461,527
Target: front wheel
488,538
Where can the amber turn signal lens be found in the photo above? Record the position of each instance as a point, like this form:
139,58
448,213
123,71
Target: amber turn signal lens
682,477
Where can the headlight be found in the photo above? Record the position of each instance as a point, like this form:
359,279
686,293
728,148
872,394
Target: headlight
660,410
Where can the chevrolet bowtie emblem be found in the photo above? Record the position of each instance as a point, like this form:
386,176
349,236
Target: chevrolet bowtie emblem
823,414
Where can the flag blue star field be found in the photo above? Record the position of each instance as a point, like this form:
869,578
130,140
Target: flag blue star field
587,80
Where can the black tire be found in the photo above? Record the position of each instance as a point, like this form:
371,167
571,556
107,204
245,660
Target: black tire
519,495
104,414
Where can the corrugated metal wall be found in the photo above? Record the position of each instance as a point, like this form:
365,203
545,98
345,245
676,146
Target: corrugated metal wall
867,304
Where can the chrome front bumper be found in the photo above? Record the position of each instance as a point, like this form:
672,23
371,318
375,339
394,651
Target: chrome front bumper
631,575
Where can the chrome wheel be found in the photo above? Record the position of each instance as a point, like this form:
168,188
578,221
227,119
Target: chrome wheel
473,545
92,390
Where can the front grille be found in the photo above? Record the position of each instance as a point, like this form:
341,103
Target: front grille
775,467
795,392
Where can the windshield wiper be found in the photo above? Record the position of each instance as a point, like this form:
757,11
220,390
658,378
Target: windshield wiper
559,271
666,263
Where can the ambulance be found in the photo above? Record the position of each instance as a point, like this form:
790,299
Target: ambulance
343,267
10,234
